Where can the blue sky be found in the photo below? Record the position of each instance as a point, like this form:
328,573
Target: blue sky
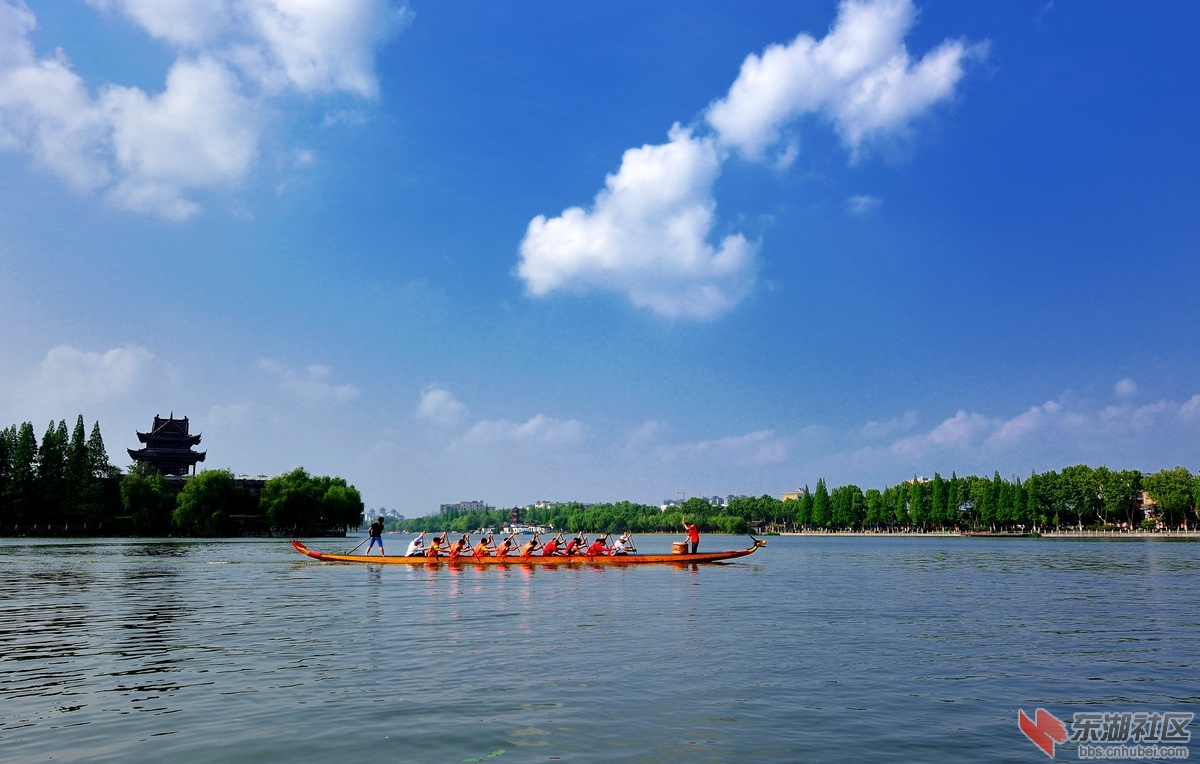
603,251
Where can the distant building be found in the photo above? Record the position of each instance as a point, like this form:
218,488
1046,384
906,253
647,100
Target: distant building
717,501
464,506
168,447
795,495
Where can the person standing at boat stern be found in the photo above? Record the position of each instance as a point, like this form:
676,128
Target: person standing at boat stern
693,534
375,531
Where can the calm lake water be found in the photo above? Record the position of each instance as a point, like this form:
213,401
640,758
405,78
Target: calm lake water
813,649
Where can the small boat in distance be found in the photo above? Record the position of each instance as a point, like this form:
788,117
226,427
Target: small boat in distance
542,560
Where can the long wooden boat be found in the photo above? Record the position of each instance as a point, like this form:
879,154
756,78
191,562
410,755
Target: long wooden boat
537,559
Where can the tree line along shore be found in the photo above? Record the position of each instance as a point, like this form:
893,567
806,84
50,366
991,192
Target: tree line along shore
1074,498
66,485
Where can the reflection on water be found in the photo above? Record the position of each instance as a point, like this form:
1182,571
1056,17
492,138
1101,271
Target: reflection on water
910,649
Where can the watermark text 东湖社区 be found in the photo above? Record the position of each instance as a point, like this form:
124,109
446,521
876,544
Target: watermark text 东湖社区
1144,735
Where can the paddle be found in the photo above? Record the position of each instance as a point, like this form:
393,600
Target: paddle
356,546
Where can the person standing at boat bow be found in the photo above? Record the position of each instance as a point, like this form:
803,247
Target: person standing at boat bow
693,534
375,531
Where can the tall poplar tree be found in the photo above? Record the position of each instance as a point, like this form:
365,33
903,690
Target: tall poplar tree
821,515
51,474
20,495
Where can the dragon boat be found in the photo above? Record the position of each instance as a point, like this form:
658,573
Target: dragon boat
536,559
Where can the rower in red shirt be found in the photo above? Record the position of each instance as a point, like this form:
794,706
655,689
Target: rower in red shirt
575,545
550,548
598,546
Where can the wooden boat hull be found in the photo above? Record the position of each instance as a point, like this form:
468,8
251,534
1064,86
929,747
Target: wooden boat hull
540,560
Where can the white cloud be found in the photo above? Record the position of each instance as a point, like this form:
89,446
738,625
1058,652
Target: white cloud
311,386
755,448
647,235
540,429
1064,424
1125,388
959,431
1035,419
862,204
153,152
860,76
440,406
199,133
73,375
71,380
45,110
879,430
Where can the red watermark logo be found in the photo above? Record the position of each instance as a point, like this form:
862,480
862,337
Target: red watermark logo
1143,735
1044,729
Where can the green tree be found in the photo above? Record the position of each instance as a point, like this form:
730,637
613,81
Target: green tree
919,504
21,489
1118,495
148,500
77,477
304,503
804,509
1079,493
206,503
822,514
876,515
51,474
1174,494
847,506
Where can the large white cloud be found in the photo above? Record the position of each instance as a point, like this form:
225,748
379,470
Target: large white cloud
647,235
70,380
153,152
307,45
860,76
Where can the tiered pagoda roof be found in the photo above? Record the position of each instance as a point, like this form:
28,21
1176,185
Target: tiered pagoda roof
169,446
